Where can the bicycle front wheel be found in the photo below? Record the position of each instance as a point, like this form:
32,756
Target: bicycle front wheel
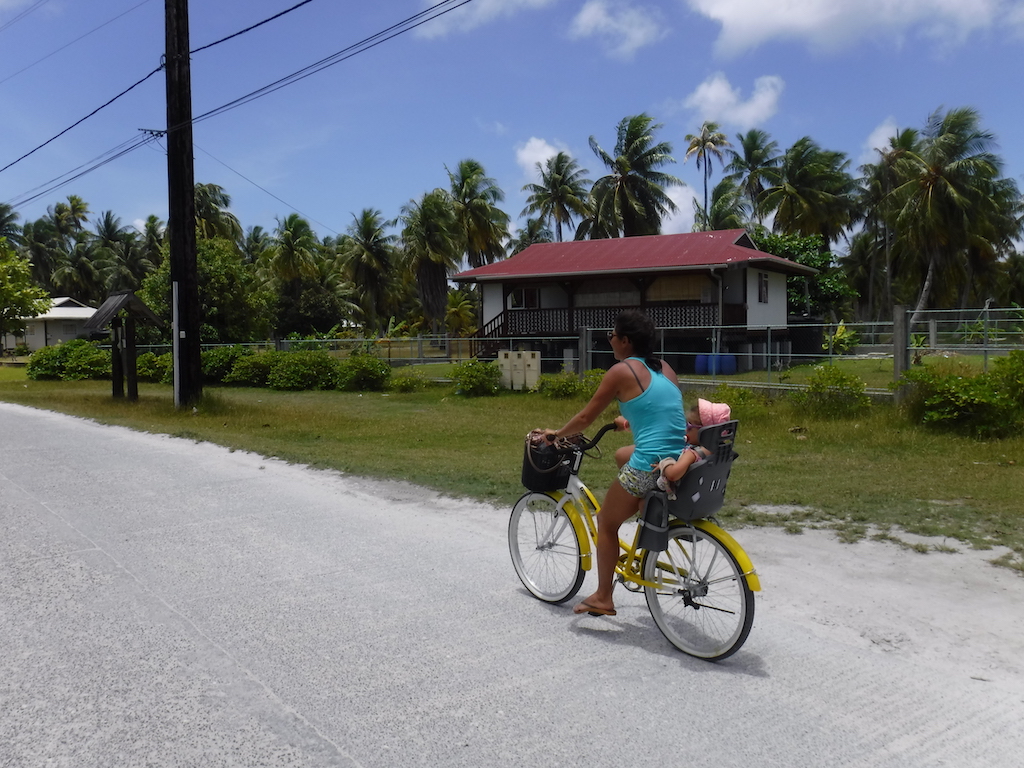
545,549
702,602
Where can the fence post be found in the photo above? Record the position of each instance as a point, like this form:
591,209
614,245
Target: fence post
900,346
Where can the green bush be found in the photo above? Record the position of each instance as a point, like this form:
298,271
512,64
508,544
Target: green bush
253,370
218,362
155,368
45,363
591,381
986,405
408,381
364,371
476,378
833,393
73,360
314,369
842,341
559,386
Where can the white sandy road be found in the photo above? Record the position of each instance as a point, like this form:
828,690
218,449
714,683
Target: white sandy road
169,603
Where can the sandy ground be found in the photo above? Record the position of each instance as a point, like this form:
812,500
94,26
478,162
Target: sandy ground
954,612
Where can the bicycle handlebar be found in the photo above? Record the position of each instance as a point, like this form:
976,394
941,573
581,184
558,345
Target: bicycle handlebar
586,445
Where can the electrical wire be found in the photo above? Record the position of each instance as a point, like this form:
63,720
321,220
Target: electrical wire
406,25
23,14
362,46
68,45
262,189
140,82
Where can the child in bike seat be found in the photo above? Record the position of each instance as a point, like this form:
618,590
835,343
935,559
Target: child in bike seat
703,414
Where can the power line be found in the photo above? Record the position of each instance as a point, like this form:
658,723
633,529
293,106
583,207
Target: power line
406,25
362,46
250,29
285,202
23,14
68,45
140,82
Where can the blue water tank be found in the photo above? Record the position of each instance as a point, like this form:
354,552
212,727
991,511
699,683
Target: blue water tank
701,365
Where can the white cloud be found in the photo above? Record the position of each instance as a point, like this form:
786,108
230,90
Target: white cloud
534,151
878,139
715,99
682,220
624,29
833,24
476,14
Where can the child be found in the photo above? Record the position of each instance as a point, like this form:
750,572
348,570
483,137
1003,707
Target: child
703,414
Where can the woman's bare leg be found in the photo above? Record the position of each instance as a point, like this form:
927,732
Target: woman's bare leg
617,508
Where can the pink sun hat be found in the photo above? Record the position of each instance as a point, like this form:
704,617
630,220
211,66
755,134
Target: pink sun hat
712,413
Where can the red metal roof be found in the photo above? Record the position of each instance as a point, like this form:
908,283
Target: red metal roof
633,255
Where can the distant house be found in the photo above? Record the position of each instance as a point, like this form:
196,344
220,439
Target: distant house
712,292
64,321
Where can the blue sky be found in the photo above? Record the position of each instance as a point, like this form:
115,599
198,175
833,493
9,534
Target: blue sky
507,82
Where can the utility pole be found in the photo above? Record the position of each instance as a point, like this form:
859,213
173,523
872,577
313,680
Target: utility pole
181,208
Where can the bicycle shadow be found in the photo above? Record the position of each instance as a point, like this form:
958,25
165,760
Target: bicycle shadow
634,628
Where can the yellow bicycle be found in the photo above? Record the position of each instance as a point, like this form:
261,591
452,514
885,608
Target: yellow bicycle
698,581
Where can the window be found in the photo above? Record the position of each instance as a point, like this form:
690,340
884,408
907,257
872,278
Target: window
524,298
69,329
762,287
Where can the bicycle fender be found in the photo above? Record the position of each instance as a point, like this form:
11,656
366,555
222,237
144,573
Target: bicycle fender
742,558
586,557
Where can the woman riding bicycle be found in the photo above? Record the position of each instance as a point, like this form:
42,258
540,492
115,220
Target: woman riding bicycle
652,407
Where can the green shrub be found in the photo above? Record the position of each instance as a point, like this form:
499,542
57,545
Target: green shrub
591,381
45,363
476,378
559,386
73,360
833,393
253,370
155,368
314,369
842,341
364,371
219,362
985,405
408,381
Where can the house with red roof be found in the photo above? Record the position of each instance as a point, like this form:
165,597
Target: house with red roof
710,292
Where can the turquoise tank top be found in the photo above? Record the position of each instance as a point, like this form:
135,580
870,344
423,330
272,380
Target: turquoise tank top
657,421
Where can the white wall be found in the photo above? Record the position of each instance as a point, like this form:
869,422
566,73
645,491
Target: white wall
772,313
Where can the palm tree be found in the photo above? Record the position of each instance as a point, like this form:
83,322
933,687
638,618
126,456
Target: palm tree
728,209
154,233
212,217
875,202
951,199
255,243
631,199
293,254
562,192
534,231
9,228
460,316
482,225
810,192
370,259
757,155
432,241
706,145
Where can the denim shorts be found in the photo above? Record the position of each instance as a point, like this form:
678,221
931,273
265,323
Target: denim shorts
636,482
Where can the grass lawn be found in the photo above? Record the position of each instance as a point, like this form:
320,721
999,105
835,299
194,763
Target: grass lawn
872,476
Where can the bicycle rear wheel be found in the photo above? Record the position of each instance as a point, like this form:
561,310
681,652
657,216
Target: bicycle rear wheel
545,549
702,603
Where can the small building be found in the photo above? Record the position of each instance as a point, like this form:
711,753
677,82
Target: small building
711,292
64,321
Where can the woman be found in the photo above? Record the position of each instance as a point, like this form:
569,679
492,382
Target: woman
652,407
